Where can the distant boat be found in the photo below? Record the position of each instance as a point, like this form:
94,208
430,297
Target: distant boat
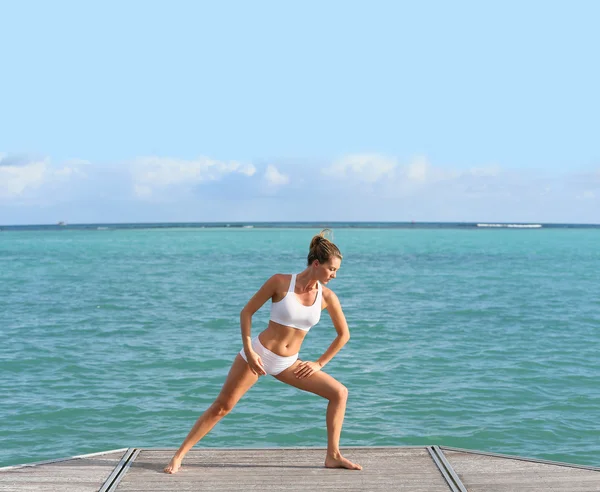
62,223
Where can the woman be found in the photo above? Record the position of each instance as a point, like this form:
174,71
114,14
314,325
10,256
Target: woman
297,302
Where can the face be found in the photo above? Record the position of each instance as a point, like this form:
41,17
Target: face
327,271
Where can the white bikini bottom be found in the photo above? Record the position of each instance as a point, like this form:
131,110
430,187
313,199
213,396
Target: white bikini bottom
273,363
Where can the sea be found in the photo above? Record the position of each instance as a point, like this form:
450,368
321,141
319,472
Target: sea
476,336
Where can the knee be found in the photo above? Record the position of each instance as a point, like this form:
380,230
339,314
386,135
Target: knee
220,408
341,393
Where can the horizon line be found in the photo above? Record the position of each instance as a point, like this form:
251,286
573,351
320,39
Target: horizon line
306,222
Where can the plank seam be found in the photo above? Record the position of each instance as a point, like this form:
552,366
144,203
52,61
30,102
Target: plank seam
117,474
449,468
448,473
116,470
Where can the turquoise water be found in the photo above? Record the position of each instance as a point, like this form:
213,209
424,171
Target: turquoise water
481,339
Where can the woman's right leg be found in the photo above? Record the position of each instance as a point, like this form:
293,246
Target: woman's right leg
239,380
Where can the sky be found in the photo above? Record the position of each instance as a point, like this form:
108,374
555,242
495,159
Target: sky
243,111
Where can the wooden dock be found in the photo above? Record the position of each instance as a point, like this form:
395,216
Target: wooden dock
406,468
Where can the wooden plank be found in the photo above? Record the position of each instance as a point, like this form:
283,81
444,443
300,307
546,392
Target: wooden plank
285,470
409,468
524,458
79,474
485,473
35,463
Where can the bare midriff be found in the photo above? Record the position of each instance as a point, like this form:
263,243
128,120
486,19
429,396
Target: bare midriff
282,340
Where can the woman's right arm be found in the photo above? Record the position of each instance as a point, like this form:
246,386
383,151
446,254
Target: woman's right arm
266,292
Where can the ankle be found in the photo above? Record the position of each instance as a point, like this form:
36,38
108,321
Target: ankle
335,454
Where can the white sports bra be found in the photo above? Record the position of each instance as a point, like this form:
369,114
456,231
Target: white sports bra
291,312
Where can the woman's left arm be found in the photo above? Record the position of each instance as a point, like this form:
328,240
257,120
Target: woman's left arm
334,308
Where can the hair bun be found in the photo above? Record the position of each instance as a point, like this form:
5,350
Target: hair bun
321,237
326,234
322,247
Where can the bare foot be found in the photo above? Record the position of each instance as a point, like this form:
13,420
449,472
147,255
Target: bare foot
173,466
340,462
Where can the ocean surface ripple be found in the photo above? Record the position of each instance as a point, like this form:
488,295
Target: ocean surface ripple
479,339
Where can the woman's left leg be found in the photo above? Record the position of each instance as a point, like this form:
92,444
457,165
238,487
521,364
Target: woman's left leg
324,385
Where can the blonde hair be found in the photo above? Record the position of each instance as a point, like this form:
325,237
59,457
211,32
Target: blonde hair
322,249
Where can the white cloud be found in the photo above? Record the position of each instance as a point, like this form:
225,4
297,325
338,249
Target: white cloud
421,171
372,168
366,167
67,171
151,173
247,169
418,170
77,163
274,177
21,175
16,179
355,187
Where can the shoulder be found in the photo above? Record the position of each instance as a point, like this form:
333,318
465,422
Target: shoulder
278,282
329,297
279,278
271,289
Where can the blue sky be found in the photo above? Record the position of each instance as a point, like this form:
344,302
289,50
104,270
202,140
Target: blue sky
200,111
